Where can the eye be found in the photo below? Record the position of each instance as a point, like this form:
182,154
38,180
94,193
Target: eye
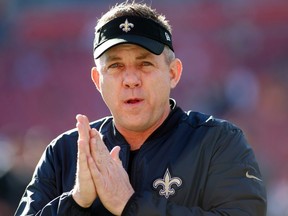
115,65
146,63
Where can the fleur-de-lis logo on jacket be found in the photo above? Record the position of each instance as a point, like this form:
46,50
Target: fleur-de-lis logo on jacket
166,184
126,26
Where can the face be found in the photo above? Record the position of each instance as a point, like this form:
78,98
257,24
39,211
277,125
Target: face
135,85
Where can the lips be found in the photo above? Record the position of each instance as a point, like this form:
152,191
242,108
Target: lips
133,101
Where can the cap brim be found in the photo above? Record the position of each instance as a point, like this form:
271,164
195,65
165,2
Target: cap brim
147,43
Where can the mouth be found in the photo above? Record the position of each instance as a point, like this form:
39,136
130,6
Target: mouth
133,101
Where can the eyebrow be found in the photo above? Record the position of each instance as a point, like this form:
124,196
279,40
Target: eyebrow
112,58
142,56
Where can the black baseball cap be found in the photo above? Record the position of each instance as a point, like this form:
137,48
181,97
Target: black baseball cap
137,30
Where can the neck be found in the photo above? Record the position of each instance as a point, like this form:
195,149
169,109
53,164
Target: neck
137,138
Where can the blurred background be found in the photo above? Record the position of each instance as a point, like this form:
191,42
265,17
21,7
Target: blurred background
235,56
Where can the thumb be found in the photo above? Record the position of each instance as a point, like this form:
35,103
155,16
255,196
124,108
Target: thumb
115,154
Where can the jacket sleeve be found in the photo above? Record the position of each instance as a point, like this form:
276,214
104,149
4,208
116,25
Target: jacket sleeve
233,185
42,195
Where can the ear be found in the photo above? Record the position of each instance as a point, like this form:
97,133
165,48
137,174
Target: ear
175,72
95,76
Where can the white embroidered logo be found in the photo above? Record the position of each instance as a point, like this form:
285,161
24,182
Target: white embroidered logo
166,184
167,36
252,176
126,26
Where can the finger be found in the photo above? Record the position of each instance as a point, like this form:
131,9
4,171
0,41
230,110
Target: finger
92,160
99,151
115,154
84,191
93,142
82,164
83,172
83,145
83,130
95,173
96,156
99,147
82,119
93,132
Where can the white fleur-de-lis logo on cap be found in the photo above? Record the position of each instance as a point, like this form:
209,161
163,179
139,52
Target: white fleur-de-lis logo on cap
166,184
126,26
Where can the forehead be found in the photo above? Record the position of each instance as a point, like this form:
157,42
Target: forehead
121,50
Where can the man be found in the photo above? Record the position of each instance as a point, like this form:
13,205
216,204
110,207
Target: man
150,157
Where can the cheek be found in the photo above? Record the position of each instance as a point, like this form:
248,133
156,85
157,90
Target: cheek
109,98
110,91
163,82
160,88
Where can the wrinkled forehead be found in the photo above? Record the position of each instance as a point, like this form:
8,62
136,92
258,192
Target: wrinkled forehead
125,52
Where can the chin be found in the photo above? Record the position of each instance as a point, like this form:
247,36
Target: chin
134,125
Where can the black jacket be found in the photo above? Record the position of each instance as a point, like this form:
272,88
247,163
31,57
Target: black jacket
193,164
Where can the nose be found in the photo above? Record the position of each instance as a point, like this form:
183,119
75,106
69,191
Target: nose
131,79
